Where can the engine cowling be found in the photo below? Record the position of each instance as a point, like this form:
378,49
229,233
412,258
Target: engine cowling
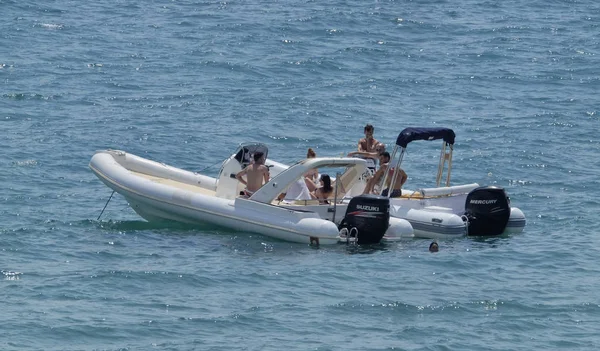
487,209
367,218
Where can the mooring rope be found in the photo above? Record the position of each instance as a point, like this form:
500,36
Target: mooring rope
110,197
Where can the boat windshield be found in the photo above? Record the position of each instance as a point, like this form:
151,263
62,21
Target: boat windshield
245,152
347,175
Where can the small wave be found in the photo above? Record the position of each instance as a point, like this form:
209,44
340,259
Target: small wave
26,96
26,163
9,275
143,225
505,306
50,26
369,249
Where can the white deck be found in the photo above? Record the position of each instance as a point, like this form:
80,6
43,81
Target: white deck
176,184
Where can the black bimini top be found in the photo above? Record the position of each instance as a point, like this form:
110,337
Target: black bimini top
245,152
412,134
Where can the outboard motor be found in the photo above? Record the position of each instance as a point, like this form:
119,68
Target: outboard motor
487,209
367,218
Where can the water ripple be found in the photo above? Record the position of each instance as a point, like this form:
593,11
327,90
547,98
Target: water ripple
185,82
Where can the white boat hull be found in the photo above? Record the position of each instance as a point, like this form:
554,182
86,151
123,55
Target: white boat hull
440,214
159,192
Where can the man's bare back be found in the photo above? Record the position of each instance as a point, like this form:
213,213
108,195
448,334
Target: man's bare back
255,174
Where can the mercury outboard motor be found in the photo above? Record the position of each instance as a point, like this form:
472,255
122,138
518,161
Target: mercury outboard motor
487,209
367,218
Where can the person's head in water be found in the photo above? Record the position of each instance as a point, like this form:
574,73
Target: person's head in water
326,181
311,153
433,247
258,157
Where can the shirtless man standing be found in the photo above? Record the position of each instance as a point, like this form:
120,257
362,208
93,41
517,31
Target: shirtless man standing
256,174
368,143
368,147
379,148
401,177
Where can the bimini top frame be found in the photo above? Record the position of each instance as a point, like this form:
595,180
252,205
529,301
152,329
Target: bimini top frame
412,134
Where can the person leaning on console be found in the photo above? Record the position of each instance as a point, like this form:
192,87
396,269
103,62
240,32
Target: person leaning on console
401,177
379,148
369,148
368,143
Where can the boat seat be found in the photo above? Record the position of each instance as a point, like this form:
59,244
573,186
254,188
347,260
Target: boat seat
310,202
302,202
417,195
176,184
449,190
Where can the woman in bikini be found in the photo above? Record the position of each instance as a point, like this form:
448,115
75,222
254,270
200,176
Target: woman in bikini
325,191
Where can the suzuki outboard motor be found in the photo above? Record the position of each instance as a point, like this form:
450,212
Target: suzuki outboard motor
487,209
367,218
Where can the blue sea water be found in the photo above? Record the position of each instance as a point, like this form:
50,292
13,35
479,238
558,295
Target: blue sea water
183,82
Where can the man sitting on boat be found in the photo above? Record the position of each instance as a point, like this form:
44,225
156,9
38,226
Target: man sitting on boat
256,174
401,177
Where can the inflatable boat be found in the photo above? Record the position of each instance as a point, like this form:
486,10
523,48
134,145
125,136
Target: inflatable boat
448,211
443,211
159,192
